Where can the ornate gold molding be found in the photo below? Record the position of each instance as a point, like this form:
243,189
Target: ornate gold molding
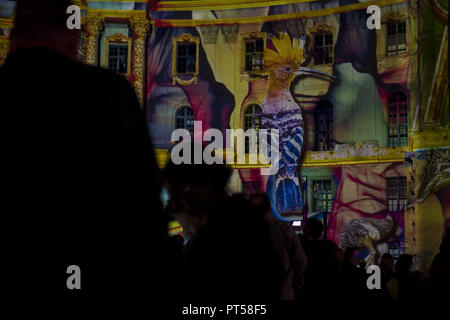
4,49
82,46
393,16
360,153
140,27
121,14
320,28
92,27
272,18
253,100
254,35
187,38
6,23
189,5
119,38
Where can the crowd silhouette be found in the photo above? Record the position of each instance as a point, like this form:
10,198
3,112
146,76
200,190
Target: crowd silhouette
82,186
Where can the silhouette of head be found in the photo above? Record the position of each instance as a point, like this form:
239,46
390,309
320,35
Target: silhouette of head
340,256
349,257
387,262
261,202
313,229
192,176
195,190
404,263
43,23
445,244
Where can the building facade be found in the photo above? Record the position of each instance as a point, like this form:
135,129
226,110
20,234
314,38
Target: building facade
363,113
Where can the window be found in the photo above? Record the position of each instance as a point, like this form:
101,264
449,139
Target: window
184,118
323,126
185,65
250,187
186,57
398,120
396,193
118,58
322,196
252,119
254,53
323,48
396,38
118,54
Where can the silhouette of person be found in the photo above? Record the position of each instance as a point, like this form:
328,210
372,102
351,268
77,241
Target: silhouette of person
289,247
323,269
438,284
386,268
409,283
230,253
80,177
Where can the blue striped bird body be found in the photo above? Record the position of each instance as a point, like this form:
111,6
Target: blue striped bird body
282,63
281,112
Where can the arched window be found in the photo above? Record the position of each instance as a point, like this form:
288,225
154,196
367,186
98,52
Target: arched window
323,126
252,119
398,120
184,118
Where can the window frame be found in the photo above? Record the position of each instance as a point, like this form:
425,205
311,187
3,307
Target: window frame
185,38
400,197
248,37
185,117
246,116
323,48
255,53
329,193
187,56
120,39
396,37
324,110
397,110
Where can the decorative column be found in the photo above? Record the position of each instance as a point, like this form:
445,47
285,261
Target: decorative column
82,44
439,87
140,27
92,27
4,49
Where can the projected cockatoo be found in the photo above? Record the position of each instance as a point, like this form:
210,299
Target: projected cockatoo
280,111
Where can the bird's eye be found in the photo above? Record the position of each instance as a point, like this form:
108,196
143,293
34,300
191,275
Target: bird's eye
287,69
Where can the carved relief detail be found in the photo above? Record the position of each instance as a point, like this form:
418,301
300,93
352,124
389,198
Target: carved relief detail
140,28
320,28
4,49
393,16
92,28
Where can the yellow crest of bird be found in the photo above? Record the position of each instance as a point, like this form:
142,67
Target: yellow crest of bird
281,64
288,52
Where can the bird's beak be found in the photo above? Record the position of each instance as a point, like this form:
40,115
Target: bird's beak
306,72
